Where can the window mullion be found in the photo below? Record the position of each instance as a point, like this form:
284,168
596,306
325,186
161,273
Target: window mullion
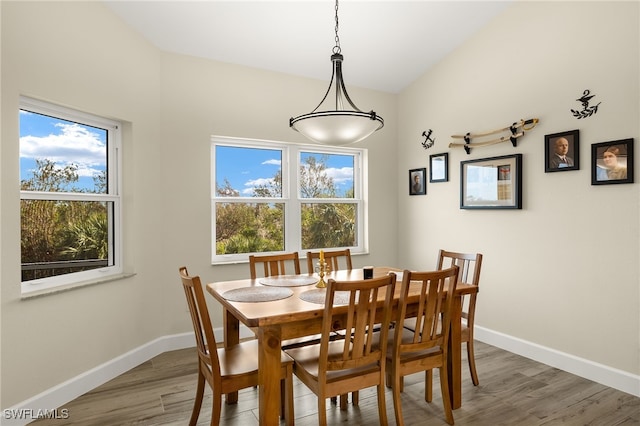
293,236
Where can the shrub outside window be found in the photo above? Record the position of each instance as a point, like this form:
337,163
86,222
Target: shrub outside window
270,197
70,208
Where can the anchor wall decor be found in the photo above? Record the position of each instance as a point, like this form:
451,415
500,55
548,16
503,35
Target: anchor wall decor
428,142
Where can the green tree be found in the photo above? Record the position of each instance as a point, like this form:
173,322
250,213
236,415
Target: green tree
54,230
259,227
314,181
324,224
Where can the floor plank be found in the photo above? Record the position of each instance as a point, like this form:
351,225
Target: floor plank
513,390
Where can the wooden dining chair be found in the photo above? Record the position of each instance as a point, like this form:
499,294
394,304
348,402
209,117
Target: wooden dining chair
226,370
336,259
425,347
274,264
337,367
470,265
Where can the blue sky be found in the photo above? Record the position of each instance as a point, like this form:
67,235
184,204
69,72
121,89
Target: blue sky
246,168
66,142
63,142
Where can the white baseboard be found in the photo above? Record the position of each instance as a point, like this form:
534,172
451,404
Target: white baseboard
608,376
46,402
24,412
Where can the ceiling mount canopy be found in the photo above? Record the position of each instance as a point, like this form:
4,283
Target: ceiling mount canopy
337,126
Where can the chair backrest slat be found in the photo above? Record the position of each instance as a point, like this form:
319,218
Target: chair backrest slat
274,264
435,304
470,265
334,258
203,330
365,299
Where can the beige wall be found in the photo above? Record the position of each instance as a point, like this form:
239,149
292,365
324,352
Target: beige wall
533,62
77,55
202,98
563,271
80,55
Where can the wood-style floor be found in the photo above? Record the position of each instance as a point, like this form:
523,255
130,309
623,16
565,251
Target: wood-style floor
513,390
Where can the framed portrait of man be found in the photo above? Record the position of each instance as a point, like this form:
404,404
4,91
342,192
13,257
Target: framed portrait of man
562,151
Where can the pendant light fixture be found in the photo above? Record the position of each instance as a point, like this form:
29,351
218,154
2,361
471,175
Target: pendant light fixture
337,126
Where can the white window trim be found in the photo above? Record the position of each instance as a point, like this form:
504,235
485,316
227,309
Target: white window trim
292,202
114,158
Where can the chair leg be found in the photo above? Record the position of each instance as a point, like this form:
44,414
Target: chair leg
390,381
471,357
428,386
283,396
382,404
216,409
322,411
287,397
355,398
446,399
344,399
197,404
397,405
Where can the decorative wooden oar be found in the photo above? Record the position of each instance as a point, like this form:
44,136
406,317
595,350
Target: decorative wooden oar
513,137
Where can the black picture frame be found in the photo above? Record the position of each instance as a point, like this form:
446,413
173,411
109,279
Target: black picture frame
612,162
439,167
557,159
491,183
417,181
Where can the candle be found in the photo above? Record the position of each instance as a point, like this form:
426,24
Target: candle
321,256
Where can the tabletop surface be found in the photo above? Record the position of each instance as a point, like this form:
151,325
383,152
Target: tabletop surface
283,310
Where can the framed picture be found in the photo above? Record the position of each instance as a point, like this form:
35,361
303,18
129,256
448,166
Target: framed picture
562,151
612,162
417,182
439,171
491,183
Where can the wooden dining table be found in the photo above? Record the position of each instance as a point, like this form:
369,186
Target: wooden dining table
295,314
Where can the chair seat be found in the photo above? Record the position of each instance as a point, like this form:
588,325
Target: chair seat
243,358
407,337
307,358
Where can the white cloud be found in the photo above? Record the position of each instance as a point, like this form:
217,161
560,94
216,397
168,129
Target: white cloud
272,162
250,185
341,175
74,144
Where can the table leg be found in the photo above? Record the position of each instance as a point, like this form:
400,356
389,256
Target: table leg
454,357
231,338
269,341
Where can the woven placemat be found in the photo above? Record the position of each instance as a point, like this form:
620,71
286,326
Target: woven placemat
257,294
318,295
289,280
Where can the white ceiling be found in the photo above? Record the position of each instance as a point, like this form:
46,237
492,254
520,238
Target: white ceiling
386,44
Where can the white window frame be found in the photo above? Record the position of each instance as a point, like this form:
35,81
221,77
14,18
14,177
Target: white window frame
291,193
114,178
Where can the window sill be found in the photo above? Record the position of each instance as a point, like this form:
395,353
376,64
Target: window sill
64,288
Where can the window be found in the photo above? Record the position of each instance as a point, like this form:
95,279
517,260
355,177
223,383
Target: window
270,197
70,206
